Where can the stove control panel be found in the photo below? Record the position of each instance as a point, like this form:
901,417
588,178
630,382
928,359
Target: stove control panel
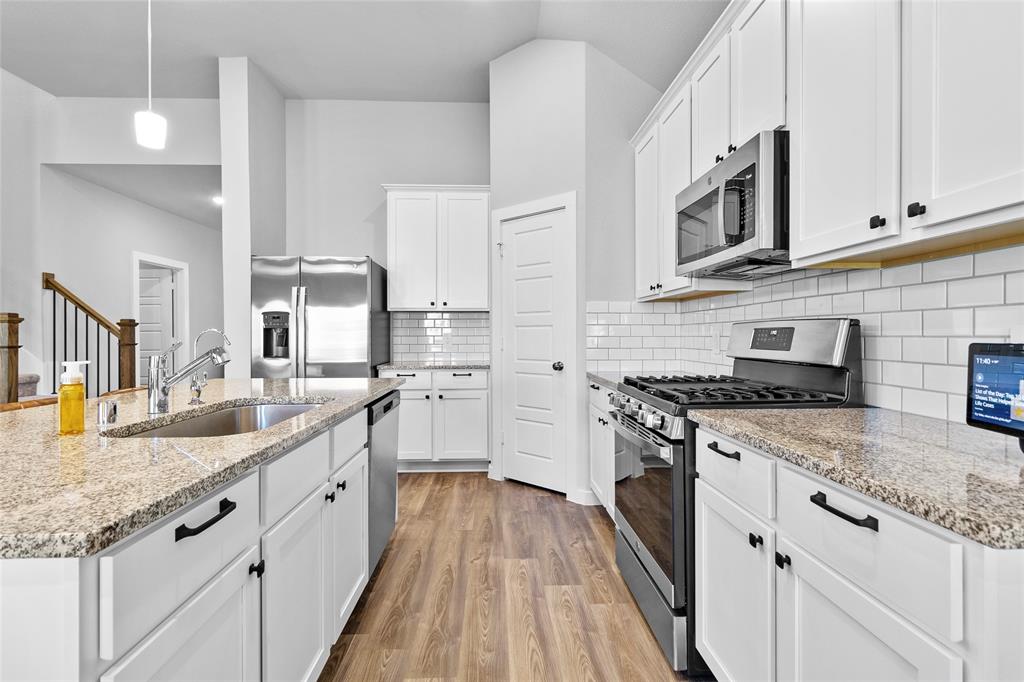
772,338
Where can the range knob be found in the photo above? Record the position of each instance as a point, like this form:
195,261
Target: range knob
654,420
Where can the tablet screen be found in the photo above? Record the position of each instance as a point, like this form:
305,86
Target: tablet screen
995,387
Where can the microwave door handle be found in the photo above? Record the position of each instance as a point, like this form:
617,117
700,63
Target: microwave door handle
721,216
293,333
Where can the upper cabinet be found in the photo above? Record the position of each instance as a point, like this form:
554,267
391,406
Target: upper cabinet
757,63
438,257
844,150
648,241
711,95
963,109
673,176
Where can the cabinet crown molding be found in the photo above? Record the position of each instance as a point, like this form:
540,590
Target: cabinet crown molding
436,188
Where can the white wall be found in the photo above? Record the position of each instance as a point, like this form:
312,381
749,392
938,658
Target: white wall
89,234
340,152
617,102
266,164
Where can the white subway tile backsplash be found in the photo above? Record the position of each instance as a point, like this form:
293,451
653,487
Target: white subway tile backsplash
916,321
456,337
976,291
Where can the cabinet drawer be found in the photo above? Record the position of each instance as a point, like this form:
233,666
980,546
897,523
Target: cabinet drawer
289,478
350,437
598,396
415,379
460,378
904,566
745,476
144,580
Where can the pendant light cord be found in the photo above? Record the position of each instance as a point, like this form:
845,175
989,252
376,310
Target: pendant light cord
149,50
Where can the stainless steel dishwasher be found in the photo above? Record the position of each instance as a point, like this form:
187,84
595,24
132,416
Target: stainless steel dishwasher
383,475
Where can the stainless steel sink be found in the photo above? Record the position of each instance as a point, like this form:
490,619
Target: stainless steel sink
226,422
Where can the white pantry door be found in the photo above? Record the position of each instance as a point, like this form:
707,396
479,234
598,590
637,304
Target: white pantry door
156,316
538,311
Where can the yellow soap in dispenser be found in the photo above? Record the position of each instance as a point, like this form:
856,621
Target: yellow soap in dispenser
71,398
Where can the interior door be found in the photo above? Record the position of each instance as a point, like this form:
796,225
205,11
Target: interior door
844,151
335,313
412,251
463,253
538,282
963,108
156,316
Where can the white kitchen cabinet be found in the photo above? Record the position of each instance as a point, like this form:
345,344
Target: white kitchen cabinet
758,64
843,113
295,592
412,248
348,558
416,426
963,107
673,176
214,635
648,234
602,458
735,595
828,628
711,109
461,424
438,255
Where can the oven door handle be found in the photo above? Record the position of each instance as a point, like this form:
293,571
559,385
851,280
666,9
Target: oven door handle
664,450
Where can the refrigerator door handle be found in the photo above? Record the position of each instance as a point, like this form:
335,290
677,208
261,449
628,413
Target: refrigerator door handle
293,332
301,327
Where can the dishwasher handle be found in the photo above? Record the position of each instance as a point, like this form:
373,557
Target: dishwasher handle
378,410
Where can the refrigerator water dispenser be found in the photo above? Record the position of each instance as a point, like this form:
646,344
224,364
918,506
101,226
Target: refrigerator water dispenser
275,334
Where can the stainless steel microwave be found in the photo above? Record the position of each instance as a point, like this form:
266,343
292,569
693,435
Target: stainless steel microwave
733,221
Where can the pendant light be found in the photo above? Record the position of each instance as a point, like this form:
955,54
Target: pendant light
150,127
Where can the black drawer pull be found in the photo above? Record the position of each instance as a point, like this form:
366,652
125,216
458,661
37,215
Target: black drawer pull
183,531
782,560
329,496
343,485
258,568
405,375
755,540
868,521
713,447
462,374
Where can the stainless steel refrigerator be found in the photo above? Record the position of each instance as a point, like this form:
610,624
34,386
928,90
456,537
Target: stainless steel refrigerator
318,317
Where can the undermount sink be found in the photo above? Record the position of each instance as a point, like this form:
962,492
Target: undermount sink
227,422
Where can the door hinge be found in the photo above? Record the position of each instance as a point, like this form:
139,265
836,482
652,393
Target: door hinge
258,568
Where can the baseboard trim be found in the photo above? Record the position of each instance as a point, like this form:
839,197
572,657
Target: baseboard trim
473,466
584,497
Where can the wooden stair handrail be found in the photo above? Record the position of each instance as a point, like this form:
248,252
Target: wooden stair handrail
49,282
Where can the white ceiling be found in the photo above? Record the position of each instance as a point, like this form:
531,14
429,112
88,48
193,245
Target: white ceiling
185,191
410,50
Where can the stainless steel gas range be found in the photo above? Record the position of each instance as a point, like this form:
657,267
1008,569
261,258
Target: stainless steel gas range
776,364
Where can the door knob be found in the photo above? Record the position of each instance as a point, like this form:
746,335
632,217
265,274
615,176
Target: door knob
557,366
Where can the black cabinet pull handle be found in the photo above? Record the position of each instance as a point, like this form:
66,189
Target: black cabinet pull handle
595,387
782,560
343,485
755,540
659,285
868,521
258,568
718,158
440,396
652,287
462,374
432,303
330,496
183,531
713,447
732,148
406,375
915,209
876,222
444,303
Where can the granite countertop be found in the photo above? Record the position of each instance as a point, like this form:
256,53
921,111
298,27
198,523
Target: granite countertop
72,496
606,379
432,365
962,478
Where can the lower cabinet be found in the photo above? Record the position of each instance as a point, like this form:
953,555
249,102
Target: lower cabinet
348,558
735,596
416,426
828,627
602,458
215,635
460,421
295,593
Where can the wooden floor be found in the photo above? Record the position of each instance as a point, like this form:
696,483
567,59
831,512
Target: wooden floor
495,581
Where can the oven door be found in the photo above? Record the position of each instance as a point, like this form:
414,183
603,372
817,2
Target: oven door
648,489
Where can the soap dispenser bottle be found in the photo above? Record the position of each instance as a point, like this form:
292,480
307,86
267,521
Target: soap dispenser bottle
71,398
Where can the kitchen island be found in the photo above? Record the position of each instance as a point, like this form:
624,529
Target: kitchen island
115,551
